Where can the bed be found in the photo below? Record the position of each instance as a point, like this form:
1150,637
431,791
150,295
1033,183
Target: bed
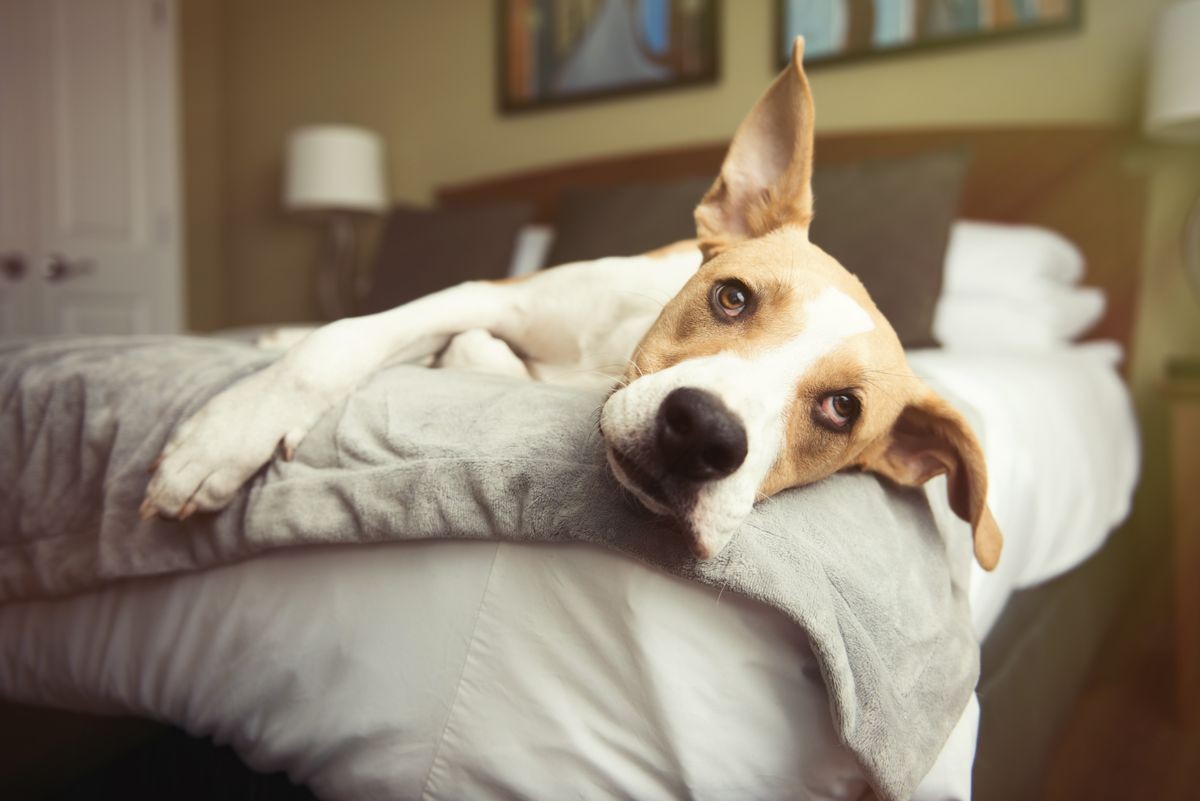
169,641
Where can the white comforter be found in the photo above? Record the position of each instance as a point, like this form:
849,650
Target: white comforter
489,670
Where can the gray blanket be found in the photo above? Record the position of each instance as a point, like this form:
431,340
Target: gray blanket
870,574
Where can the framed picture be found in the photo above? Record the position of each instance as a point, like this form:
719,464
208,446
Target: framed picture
845,30
554,52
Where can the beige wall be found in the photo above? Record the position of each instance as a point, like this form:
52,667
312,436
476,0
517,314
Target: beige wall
202,80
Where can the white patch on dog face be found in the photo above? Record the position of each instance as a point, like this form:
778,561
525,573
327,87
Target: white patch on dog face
758,389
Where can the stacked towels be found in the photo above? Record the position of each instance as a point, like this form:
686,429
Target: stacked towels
1013,287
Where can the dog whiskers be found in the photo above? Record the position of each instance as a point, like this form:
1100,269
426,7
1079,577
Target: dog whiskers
886,372
634,363
885,391
596,421
655,300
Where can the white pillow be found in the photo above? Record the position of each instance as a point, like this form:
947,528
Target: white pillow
1054,317
531,248
994,260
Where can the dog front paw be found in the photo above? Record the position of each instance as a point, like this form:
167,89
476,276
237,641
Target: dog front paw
211,455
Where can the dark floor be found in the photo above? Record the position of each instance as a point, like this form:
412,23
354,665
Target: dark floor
180,768
1127,740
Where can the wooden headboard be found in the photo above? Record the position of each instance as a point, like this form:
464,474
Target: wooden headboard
1074,180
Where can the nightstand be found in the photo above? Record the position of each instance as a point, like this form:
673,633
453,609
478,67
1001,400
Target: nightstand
1183,394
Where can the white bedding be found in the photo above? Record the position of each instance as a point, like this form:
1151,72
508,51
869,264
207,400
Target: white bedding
488,670
1063,456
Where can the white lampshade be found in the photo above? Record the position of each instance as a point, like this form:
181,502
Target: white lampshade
1173,98
334,168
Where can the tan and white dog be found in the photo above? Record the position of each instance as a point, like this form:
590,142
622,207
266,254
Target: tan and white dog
746,362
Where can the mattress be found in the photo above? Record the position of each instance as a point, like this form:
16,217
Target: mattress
498,670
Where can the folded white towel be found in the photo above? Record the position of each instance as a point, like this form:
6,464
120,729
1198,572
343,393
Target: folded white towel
1055,317
994,259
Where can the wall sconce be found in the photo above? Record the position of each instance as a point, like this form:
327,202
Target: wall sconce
336,171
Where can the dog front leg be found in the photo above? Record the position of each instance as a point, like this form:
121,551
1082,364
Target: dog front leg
211,455
478,350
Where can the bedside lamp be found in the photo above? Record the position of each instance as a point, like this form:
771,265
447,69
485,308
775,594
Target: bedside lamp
1173,100
336,171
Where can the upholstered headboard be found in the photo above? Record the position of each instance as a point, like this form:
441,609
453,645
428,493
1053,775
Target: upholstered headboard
1074,180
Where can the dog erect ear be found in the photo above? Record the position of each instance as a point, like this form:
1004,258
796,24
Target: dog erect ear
766,180
928,439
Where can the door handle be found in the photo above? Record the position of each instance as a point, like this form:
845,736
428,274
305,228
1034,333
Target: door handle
13,265
58,268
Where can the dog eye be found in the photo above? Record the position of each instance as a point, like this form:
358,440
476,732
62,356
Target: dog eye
839,410
730,298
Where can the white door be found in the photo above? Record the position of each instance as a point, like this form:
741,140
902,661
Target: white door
92,132
16,173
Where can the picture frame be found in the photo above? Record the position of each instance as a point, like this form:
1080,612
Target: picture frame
554,53
841,31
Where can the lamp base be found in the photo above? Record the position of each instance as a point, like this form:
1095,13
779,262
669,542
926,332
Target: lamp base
337,289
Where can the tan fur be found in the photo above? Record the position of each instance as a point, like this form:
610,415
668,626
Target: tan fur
775,140
511,279
753,227
682,246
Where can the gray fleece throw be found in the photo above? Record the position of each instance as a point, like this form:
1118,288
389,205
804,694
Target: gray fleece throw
875,578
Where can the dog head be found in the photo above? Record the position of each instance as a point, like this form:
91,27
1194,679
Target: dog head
772,368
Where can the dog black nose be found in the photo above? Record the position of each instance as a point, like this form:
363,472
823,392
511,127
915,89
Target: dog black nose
698,437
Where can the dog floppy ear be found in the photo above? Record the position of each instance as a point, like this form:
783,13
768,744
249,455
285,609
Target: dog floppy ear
766,180
930,438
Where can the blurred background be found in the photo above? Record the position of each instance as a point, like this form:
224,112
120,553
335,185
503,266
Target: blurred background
227,152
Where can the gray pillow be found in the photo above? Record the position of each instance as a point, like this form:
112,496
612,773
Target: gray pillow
594,222
424,250
887,220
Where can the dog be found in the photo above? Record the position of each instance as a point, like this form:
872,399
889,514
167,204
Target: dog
745,362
